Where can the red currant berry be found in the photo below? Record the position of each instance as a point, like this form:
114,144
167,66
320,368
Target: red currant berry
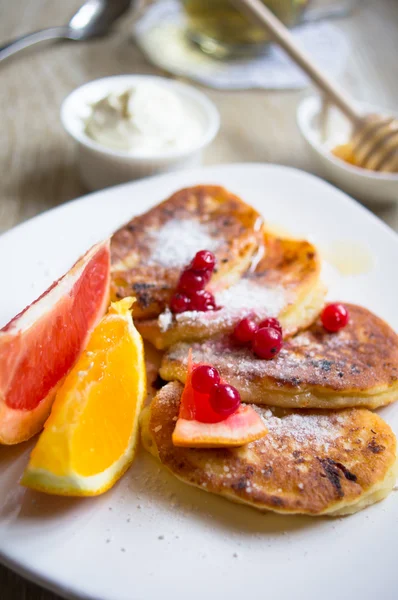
204,378
191,281
334,317
204,260
267,342
224,399
206,276
244,331
202,300
180,303
271,322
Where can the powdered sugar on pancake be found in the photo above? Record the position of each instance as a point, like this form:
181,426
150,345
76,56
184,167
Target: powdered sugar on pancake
242,299
301,428
289,365
165,320
177,241
248,296
239,361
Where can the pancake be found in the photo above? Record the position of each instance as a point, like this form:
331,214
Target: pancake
149,252
284,284
357,366
313,463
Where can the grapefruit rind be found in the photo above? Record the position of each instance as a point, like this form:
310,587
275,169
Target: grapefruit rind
240,428
38,475
17,424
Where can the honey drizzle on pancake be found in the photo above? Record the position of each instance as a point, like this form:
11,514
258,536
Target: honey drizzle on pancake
349,257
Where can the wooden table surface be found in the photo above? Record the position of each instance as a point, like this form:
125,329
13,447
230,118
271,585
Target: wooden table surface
38,169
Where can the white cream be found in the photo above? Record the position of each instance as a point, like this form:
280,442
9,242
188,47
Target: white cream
143,120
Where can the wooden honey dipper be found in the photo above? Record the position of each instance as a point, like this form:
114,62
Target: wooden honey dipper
375,137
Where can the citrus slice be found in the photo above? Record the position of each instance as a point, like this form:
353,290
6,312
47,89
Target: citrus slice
90,438
40,345
199,426
240,428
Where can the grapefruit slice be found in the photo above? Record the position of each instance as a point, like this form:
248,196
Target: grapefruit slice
40,345
199,426
240,428
91,436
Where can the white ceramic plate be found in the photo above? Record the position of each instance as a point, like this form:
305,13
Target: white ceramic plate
152,536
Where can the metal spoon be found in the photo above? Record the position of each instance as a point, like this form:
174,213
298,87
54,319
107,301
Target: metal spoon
93,19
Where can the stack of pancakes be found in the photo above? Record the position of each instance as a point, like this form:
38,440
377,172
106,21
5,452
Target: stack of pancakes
325,451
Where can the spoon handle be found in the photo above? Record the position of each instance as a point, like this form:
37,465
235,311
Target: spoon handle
262,15
32,38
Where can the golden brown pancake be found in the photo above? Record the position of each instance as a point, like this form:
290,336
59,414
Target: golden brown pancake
357,366
284,284
314,463
149,253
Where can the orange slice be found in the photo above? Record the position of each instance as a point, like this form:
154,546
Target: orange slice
41,344
198,426
91,436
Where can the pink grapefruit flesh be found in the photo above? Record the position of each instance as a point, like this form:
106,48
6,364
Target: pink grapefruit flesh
199,426
240,428
40,345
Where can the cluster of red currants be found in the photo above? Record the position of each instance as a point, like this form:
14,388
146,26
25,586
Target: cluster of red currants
190,294
224,398
265,338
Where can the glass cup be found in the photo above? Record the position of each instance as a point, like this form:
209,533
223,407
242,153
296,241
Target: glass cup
221,30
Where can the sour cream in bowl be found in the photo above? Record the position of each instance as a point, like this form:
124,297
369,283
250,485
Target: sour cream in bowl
131,126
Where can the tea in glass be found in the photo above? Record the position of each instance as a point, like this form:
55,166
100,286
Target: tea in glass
222,30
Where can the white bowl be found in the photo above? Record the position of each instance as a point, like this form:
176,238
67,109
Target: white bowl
101,166
367,186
